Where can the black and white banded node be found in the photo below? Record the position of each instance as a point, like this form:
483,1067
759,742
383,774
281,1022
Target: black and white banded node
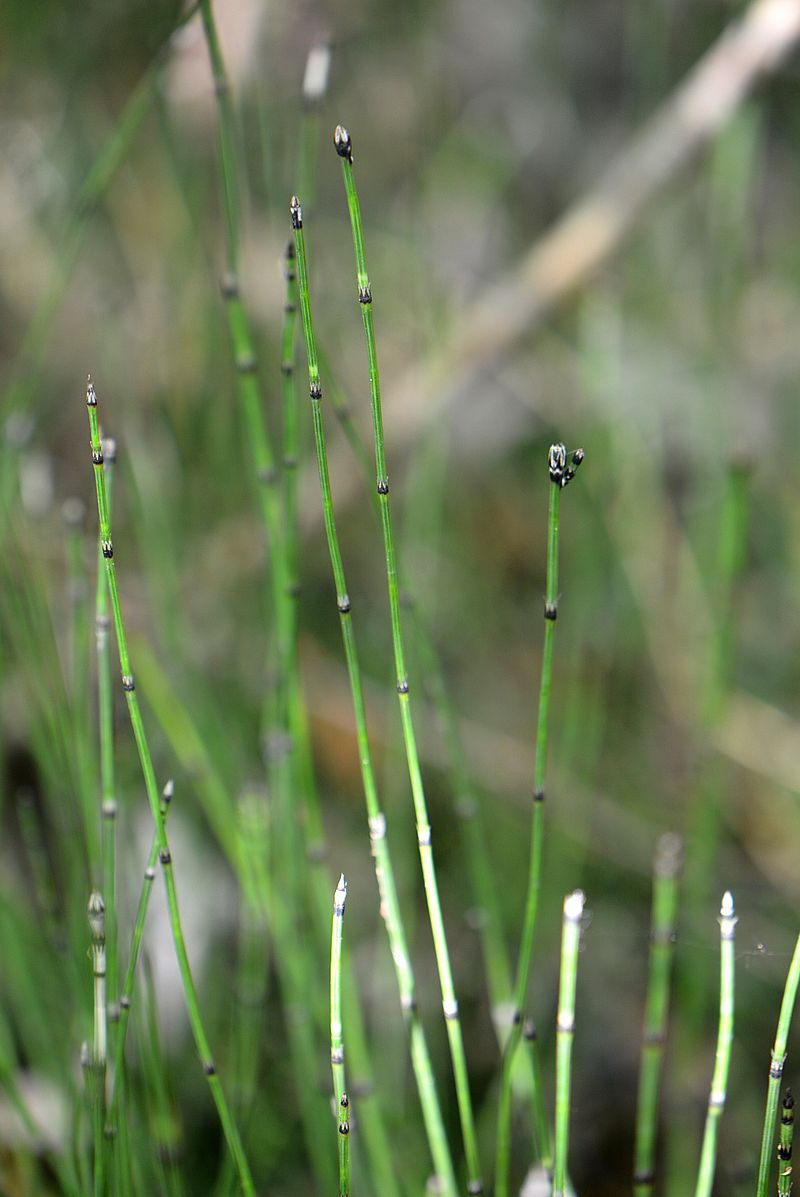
296,213
91,393
343,143
563,465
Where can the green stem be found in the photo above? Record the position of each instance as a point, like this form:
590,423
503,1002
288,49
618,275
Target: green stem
190,992
337,1038
777,1062
384,870
561,469
666,870
126,994
719,1080
105,705
565,1031
450,1008
98,1057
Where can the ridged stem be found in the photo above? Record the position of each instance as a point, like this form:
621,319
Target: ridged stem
390,906
719,1080
666,871
229,1127
777,1062
450,1008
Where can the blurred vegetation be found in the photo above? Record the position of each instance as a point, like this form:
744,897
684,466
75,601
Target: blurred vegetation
678,649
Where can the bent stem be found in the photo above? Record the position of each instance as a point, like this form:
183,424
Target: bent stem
777,1062
384,871
719,1080
450,1009
229,1127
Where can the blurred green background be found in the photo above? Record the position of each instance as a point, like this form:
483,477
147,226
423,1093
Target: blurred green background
675,367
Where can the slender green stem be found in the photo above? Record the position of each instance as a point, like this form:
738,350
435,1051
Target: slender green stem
450,1009
190,992
245,361
105,707
719,1080
565,1031
390,906
777,1062
785,1146
337,1038
561,469
126,994
99,1053
666,871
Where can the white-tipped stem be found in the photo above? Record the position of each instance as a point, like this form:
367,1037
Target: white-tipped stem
719,1080
565,1030
573,906
97,926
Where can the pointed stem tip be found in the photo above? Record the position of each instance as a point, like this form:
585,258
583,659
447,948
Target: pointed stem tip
296,213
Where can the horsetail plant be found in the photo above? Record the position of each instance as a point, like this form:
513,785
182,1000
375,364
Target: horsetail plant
777,1062
719,1080
105,712
785,1146
337,1038
344,148
229,1127
384,871
98,1059
565,1031
126,994
666,872
562,466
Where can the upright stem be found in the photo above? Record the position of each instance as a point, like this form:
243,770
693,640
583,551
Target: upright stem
126,993
719,1081
105,707
100,1040
666,870
777,1062
565,1030
449,1002
337,1038
384,871
128,685
561,469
